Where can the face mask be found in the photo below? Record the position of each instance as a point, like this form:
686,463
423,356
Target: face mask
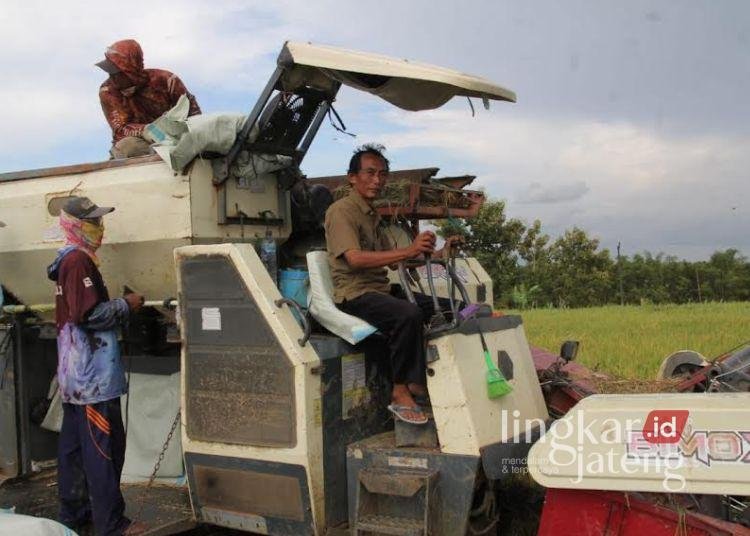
93,232
124,83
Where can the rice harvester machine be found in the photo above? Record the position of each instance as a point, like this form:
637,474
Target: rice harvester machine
282,424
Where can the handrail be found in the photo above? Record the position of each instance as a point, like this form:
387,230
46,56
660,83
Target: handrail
168,303
305,321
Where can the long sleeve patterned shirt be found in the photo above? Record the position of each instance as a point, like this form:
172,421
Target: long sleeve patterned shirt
89,367
136,96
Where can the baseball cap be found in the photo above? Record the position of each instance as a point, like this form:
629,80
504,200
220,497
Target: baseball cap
84,209
107,66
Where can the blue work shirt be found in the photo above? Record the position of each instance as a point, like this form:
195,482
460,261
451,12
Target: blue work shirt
89,366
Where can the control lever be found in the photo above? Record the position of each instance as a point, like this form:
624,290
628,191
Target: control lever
438,319
459,284
449,265
439,323
404,278
414,276
456,280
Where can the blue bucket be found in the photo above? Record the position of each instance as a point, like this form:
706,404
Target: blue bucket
293,284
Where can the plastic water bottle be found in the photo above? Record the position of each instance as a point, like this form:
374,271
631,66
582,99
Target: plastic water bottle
268,255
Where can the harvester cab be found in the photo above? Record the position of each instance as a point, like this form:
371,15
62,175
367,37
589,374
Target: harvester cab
295,420
285,429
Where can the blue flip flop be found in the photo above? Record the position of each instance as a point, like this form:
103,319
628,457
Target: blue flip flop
397,410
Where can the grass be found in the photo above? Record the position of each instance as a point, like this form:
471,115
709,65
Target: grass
632,341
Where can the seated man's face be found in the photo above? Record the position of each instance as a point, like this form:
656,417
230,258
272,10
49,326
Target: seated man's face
371,177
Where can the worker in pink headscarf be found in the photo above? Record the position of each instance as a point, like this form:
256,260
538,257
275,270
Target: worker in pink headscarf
132,97
91,375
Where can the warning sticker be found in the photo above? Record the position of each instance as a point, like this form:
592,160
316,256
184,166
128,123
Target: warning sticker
210,319
317,412
354,391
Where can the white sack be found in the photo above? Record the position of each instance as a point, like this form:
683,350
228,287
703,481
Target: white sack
154,401
17,524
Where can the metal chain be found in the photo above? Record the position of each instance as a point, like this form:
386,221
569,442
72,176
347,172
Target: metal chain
488,509
157,465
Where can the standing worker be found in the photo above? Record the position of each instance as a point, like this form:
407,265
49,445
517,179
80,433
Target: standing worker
132,97
91,449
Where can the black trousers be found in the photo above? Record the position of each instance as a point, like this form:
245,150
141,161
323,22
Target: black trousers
91,453
402,323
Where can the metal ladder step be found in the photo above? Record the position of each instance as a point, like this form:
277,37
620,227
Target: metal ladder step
398,526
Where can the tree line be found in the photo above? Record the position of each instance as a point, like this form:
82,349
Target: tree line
530,269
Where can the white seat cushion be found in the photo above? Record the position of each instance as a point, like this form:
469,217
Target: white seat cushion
324,310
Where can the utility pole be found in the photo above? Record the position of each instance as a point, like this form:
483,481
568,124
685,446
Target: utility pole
619,275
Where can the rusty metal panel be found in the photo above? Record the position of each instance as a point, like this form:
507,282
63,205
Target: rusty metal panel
240,396
335,181
400,484
455,477
251,495
252,492
240,382
342,426
76,169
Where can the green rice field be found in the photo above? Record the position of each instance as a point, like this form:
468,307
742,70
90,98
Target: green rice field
631,341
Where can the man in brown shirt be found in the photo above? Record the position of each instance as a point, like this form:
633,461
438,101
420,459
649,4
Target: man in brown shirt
358,254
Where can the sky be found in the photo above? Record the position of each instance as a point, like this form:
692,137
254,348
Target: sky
632,120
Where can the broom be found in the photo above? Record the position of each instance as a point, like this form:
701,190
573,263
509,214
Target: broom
497,385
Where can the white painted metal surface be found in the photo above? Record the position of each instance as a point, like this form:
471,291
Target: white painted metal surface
156,211
408,84
466,418
308,450
606,442
477,282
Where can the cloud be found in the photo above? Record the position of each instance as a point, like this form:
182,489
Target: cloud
620,181
630,121
555,193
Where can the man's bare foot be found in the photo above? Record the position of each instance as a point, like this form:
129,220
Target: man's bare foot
401,396
417,390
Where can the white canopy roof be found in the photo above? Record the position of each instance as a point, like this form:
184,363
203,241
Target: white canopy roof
406,84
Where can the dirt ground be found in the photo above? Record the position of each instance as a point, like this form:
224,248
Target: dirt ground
165,509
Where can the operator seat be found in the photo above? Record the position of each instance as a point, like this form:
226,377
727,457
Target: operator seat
324,310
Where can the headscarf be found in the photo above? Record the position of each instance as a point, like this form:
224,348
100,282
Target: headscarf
83,234
127,55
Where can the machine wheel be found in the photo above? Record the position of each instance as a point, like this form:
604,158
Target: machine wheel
682,363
